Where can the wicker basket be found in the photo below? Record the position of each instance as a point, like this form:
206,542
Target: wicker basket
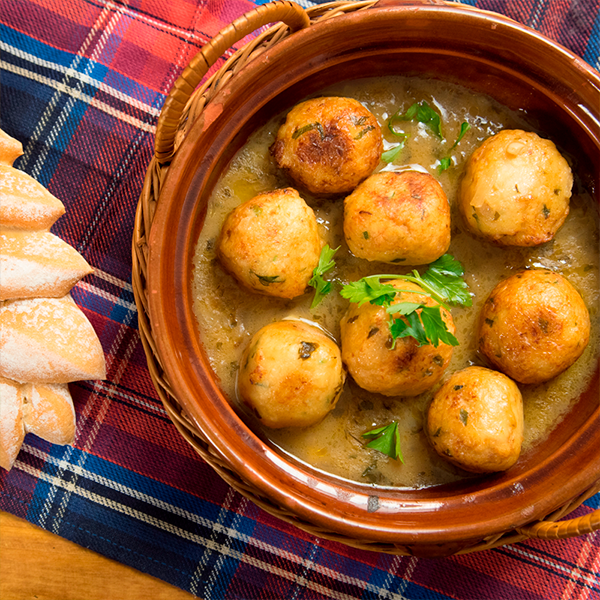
183,105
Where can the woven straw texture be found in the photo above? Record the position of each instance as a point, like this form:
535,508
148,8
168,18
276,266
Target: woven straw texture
183,106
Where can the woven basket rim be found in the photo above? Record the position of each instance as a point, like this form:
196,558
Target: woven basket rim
546,528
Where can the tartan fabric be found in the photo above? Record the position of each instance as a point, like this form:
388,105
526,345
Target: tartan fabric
81,85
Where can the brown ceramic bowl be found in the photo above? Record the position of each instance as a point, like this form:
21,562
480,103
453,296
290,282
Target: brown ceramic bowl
486,52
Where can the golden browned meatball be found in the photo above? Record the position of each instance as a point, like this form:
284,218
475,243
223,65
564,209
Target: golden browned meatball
291,374
403,369
516,189
533,326
475,420
398,218
271,243
328,145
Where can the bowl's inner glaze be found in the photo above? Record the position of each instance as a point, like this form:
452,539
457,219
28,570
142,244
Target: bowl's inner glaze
557,94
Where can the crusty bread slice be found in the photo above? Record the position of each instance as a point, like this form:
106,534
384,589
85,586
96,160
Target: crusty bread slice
12,428
48,412
25,203
45,410
48,340
10,149
38,264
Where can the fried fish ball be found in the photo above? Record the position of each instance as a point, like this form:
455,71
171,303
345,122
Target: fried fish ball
475,420
291,374
516,189
399,217
328,145
379,365
271,243
533,326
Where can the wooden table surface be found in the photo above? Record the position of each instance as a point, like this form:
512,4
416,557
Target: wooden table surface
36,564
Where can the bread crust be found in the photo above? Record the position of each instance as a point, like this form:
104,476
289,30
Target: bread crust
48,340
10,149
38,264
25,203
44,410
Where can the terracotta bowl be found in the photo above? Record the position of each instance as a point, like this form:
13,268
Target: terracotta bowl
558,93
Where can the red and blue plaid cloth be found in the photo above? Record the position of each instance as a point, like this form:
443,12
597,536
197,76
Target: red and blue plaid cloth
81,85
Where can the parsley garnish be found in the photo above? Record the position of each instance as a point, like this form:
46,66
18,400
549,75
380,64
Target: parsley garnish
267,279
386,440
442,281
446,162
390,155
427,327
306,128
361,133
326,263
444,278
419,111
423,113
369,289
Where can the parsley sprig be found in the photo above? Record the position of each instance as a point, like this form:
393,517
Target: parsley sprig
443,281
322,286
446,162
444,278
426,326
385,439
421,112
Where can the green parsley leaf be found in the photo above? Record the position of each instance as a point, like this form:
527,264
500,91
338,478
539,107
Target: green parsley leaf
404,308
306,128
390,155
399,134
427,326
385,439
445,277
412,327
435,328
325,264
423,113
446,163
267,280
464,127
369,289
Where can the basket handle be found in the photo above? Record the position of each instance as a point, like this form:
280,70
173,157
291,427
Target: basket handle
558,530
292,14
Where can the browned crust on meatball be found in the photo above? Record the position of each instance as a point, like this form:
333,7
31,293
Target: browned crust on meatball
271,243
291,374
328,145
475,420
398,217
533,326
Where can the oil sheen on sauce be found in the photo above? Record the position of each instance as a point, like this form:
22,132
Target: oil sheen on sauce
228,315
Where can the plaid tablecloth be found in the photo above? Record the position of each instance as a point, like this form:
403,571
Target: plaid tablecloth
81,85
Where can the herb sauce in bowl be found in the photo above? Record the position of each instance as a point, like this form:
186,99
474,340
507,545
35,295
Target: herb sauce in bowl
228,315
